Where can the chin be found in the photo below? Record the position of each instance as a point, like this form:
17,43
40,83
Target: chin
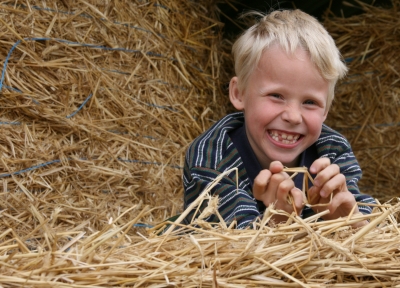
287,161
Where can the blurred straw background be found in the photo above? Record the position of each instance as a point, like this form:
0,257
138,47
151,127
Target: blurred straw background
366,108
99,100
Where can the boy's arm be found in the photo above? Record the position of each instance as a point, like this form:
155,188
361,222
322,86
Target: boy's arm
234,204
336,147
350,168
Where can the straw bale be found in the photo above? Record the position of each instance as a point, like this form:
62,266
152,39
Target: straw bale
367,102
299,253
99,102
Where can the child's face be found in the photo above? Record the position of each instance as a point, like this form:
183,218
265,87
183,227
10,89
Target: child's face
284,105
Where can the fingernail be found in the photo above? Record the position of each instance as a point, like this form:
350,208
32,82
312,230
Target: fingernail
316,183
322,193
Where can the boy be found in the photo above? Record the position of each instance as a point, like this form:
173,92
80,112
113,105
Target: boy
286,69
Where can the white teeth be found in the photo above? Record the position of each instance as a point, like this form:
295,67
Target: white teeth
285,138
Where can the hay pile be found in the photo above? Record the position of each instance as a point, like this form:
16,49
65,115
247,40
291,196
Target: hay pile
367,104
300,253
99,102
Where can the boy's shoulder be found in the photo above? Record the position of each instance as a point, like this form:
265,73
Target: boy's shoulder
213,143
221,128
331,139
327,131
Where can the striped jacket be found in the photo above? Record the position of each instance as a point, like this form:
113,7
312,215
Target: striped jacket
213,153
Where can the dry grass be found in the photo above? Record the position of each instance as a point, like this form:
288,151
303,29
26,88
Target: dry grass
100,100
299,253
367,104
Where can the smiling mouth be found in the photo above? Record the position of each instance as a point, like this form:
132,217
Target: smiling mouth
284,137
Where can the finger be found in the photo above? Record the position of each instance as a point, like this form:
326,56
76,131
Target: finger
275,167
260,184
273,187
342,204
335,184
283,189
298,198
319,165
313,195
326,174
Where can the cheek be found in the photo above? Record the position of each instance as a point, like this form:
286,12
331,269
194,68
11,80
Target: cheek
314,123
263,111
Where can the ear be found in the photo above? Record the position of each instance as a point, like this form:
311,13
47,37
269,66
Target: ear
234,94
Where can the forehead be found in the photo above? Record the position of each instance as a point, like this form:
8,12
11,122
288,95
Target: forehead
276,60
277,53
293,73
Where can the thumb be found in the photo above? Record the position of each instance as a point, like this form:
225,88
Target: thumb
275,167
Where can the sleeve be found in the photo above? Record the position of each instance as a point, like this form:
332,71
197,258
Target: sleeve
350,168
340,153
234,204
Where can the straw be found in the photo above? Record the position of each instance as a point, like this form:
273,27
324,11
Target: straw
93,142
366,103
99,102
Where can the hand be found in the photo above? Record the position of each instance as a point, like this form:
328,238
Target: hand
273,186
328,183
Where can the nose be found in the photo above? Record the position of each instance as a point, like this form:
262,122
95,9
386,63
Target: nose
292,114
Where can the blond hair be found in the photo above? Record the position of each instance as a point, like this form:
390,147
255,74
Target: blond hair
290,29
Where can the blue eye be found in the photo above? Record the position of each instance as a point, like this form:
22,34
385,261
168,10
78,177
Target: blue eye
275,95
309,102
